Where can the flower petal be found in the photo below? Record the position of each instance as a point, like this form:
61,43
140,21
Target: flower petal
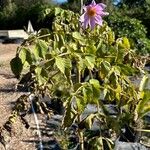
85,8
86,21
93,2
98,20
103,6
104,14
99,9
82,18
93,14
92,23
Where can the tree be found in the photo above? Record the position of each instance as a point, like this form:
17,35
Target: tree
75,5
132,3
140,10
4,3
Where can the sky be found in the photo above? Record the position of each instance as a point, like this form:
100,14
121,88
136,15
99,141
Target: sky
60,1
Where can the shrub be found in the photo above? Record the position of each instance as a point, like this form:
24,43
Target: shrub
132,29
86,67
16,17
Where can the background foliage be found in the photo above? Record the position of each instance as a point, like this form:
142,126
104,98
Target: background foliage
16,14
131,28
125,17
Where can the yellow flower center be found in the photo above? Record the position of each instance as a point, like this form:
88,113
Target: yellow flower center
91,12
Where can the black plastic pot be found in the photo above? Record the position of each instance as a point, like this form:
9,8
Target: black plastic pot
128,146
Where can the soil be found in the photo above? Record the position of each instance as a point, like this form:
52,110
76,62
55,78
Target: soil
21,139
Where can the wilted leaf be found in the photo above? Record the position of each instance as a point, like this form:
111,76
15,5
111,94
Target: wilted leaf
89,121
16,66
96,143
68,117
81,104
143,83
143,107
105,68
87,93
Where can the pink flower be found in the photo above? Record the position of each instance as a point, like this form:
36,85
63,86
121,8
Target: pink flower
93,14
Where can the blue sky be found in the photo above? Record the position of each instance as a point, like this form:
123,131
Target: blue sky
60,1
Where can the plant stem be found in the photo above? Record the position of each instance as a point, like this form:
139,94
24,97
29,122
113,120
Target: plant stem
81,11
91,75
81,137
78,77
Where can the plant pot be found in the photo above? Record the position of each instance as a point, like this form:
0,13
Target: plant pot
128,146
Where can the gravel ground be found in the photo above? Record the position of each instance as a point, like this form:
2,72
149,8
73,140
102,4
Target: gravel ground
21,137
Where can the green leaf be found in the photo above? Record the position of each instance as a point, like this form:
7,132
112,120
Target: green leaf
44,47
68,63
16,66
81,104
41,75
61,41
77,36
40,49
77,86
60,63
111,37
87,93
68,75
91,49
23,55
89,121
58,11
26,56
143,83
29,57
69,116
143,107
105,68
105,91
118,91
96,90
126,43
123,43
95,83
96,143
80,61
127,69
145,111
90,59
109,143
